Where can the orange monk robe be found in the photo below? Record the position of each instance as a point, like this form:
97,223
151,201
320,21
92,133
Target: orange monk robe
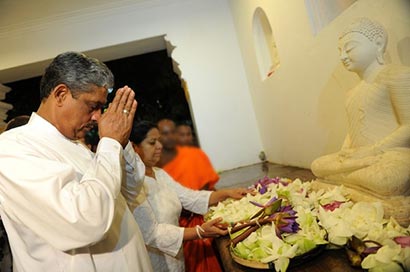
192,168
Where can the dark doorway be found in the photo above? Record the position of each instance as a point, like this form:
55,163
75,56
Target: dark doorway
158,88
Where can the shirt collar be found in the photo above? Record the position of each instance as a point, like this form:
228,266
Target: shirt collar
38,122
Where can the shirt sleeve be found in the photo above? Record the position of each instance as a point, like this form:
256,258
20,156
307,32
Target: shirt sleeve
165,237
192,200
63,207
135,172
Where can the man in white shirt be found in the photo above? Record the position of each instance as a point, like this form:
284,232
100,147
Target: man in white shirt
63,207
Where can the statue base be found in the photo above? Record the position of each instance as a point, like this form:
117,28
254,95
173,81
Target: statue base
397,207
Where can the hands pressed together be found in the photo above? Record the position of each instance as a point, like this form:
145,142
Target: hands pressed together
116,121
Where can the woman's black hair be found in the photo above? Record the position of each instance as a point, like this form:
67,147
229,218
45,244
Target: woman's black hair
140,130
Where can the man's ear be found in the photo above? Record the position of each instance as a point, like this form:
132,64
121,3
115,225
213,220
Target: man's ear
60,93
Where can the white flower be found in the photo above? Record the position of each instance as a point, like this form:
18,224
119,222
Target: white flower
384,258
363,220
365,217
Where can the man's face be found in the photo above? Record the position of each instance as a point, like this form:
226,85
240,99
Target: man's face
167,131
184,135
79,114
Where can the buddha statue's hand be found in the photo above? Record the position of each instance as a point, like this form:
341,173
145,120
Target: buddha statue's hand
358,153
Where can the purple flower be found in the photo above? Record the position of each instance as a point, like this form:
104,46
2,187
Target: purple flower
269,208
263,189
276,180
333,205
285,220
289,226
267,204
370,250
264,182
404,241
288,209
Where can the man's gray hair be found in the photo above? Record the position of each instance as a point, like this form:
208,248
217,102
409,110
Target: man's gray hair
76,70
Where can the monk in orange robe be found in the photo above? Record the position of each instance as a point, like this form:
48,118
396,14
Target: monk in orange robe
191,167
184,133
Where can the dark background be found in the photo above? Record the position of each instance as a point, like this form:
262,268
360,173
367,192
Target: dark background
157,87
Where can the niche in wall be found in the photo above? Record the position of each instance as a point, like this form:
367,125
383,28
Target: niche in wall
265,45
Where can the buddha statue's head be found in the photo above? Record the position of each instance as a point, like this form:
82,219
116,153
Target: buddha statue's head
361,44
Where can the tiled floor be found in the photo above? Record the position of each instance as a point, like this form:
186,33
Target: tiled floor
248,175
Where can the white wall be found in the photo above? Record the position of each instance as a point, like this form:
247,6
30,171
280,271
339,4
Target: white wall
300,109
206,50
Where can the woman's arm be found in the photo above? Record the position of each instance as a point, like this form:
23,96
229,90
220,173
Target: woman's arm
221,195
199,201
212,228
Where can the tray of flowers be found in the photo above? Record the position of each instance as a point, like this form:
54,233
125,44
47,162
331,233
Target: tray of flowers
285,223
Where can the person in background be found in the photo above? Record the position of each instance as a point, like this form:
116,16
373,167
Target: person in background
17,122
191,167
6,263
184,134
187,164
68,209
161,201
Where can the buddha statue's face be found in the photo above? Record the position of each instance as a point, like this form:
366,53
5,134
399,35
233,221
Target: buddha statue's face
357,52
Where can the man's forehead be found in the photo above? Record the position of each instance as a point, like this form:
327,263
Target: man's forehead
184,128
95,100
166,124
96,94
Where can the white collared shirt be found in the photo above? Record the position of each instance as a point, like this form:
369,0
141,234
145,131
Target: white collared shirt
61,204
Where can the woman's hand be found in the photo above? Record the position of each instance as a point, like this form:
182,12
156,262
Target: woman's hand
213,228
236,193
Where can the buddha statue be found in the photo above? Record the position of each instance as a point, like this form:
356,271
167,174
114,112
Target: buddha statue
374,161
